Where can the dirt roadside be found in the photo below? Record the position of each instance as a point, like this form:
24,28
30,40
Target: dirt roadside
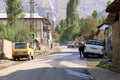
8,62
101,73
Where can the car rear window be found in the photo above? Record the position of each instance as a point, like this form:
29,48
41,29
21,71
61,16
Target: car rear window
20,45
95,43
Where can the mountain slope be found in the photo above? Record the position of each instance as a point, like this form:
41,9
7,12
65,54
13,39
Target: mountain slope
57,8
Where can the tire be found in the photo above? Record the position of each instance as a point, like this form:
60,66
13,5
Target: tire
18,58
32,57
101,56
29,57
85,55
14,58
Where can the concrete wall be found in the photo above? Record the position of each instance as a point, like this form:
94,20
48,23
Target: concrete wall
7,48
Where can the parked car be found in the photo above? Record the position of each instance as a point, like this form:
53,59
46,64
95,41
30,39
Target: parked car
94,47
57,44
23,50
71,44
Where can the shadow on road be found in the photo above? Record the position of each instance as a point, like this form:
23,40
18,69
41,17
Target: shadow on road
59,73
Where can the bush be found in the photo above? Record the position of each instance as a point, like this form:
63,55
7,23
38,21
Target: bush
8,32
104,64
22,34
16,34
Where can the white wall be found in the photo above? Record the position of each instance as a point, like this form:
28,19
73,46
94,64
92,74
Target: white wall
7,48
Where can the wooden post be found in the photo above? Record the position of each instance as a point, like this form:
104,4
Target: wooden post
1,45
116,43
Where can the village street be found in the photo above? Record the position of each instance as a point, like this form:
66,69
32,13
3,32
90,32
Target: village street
64,65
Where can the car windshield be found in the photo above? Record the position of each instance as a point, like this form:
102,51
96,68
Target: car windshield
95,43
20,45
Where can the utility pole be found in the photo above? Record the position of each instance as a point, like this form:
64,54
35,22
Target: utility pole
31,15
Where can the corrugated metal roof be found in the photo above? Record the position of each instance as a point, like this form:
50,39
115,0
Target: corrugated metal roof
103,27
35,15
3,15
26,15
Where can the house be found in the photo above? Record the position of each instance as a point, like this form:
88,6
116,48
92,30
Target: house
113,19
37,25
47,33
105,33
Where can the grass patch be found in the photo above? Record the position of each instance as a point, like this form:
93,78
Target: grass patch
104,64
109,56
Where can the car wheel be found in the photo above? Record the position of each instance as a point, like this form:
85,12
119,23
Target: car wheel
14,58
32,57
85,55
18,58
101,56
29,57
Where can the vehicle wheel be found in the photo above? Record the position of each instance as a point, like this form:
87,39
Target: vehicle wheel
18,58
29,57
85,55
32,57
101,56
14,58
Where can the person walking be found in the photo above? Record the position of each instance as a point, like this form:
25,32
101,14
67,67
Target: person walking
81,49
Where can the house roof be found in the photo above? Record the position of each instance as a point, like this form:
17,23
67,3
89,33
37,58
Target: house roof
26,15
103,26
3,15
114,7
35,15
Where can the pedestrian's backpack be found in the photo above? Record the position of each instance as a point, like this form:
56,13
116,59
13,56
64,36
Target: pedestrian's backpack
81,45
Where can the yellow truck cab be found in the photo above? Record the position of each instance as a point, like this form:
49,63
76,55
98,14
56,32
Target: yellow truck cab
22,50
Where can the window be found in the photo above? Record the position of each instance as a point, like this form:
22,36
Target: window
25,22
34,22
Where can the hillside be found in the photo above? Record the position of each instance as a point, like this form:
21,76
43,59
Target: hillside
57,8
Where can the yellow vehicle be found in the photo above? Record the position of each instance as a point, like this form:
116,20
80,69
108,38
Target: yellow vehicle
22,50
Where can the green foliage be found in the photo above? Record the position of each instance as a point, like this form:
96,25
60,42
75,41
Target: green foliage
70,26
62,27
103,64
56,36
108,3
22,34
101,20
71,13
17,34
14,10
95,14
89,28
81,21
109,55
8,32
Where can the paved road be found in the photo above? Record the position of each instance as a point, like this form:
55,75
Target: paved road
64,65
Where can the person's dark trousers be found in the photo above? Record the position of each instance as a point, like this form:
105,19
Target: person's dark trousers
81,51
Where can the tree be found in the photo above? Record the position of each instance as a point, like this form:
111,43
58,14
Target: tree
108,3
101,20
56,36
72,21
16,34
14,10
95,14
8,33
71,12
22,34
89,28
